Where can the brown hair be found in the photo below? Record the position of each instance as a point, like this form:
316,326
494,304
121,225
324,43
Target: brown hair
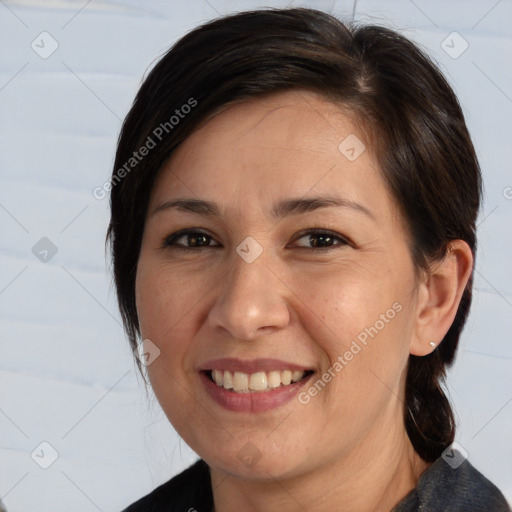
421,143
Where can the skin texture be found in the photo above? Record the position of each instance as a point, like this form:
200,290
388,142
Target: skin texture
346,449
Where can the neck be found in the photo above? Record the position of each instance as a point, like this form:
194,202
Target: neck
374,477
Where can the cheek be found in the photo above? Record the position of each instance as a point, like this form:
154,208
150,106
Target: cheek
162,300
362,325
345,302
166,304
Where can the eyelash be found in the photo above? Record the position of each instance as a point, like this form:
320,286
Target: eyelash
170,241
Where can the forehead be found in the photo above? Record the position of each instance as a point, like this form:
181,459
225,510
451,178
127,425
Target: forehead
294,121
260,150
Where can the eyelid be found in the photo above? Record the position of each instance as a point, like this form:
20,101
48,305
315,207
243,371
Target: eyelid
321,231
169,240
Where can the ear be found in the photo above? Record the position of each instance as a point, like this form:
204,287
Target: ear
439,294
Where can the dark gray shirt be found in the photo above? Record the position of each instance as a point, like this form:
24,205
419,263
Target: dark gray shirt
440,489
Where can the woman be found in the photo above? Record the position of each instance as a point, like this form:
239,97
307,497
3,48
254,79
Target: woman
293,237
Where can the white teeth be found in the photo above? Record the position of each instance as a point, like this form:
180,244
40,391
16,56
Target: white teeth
217,377
297,375
274,379
286,377
260,381
241,382
228,380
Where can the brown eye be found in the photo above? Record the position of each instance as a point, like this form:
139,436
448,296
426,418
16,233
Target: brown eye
189,239
197,240
321,240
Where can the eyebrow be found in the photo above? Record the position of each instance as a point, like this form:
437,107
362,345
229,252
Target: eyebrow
287,207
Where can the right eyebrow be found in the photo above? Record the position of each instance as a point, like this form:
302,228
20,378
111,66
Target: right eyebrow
198,206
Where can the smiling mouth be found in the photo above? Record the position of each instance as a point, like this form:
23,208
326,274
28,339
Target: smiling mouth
240,382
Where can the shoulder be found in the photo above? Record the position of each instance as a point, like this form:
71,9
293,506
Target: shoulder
190,491
456,489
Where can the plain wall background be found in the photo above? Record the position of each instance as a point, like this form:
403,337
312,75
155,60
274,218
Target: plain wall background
67,377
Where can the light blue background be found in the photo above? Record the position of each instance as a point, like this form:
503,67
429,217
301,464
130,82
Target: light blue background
66,371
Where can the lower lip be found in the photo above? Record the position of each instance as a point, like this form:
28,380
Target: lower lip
257,401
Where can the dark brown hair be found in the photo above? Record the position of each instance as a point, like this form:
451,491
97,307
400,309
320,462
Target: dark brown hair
410,113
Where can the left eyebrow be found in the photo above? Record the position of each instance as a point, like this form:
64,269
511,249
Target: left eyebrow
285,208
309,204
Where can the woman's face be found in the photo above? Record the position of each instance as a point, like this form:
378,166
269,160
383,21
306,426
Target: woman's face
273,250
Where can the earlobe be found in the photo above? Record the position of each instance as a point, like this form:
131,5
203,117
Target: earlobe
439,295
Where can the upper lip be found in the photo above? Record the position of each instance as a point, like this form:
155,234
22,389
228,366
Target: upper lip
250,365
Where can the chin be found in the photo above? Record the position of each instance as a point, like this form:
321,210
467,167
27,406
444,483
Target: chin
246,461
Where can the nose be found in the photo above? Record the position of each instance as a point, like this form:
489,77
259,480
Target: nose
251,301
